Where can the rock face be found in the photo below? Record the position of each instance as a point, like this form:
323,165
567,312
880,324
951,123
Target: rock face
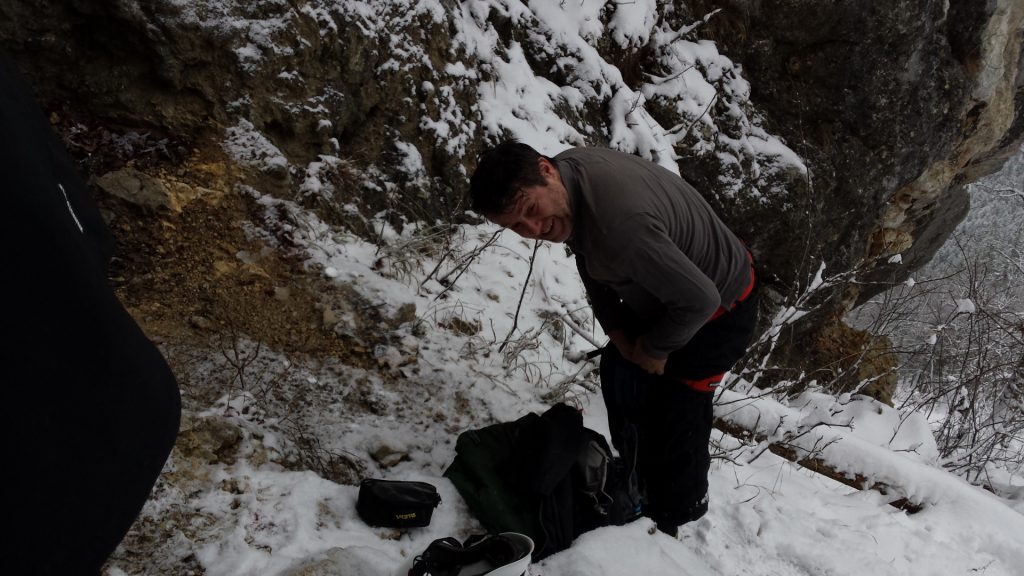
893,106
896,106
314,77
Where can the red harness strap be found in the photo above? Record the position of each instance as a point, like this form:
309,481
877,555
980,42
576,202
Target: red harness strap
746,292
707,384
711,382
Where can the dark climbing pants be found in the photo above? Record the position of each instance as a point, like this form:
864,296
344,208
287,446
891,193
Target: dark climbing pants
671,419
91,410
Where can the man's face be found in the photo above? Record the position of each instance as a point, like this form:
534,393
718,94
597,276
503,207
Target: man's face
540,212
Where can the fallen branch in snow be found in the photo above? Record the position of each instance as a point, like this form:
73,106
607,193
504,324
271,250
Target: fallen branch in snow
526,283
815,464
460,267
675,129
577,329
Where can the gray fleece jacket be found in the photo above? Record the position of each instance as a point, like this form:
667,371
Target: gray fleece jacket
654,257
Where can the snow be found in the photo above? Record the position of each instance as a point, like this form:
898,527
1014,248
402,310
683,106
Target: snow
767,516
532,108
248,147
965,306
313,183
631,23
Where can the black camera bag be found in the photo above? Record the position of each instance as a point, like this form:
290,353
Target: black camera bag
396,503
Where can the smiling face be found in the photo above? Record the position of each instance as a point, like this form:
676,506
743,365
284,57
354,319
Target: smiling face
540,212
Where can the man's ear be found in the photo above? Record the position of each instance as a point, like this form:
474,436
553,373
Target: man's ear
547,169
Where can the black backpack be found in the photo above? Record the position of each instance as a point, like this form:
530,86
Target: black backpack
546,476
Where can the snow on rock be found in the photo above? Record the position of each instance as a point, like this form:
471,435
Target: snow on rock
248,147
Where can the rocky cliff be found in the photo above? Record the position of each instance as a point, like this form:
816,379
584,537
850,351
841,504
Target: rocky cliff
835,133
896,107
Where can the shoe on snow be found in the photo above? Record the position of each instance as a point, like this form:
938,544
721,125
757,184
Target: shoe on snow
505,554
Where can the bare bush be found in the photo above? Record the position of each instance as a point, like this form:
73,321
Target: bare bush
960,335
963,349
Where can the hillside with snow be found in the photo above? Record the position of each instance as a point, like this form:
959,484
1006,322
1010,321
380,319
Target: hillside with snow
768,516
285,184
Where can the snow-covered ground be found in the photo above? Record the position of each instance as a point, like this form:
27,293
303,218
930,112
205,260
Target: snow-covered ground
443,372
767,516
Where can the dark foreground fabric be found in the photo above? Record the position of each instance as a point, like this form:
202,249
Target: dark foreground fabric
670,420
91,408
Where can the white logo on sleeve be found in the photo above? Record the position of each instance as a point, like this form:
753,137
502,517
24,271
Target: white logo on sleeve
70,209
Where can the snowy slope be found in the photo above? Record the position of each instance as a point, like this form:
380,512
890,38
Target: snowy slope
767,516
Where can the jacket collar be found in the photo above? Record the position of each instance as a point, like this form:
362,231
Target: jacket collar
572,187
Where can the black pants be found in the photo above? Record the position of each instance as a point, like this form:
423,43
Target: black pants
91,410
671,420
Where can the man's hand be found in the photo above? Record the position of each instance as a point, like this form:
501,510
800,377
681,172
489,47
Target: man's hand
650,364
633,351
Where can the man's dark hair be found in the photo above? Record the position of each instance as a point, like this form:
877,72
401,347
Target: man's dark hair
501,172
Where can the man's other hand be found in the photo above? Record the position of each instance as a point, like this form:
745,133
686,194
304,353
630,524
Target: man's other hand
650,364
633,351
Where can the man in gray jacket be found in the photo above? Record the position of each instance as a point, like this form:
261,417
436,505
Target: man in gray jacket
671,285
